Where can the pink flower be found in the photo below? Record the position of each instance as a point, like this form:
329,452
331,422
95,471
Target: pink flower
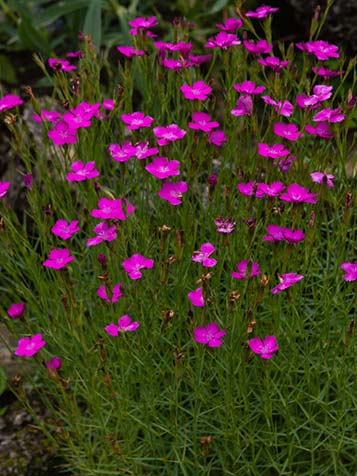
244,106
115,293
172,192
272,190
286,280
279,233
321,129
273,62
142,23
209,335
74,54
54,364
196,297
320,177
265,349
329,115
82,171
225,225
223,40
9,101
199,90
217,138
257,48
322,91
108,104
135,263
295,193
4,187
304,101
285,108
59,64
104,233
325,72
58,258
262,12
246,269
16,310
64,229
112,209
203,256
231,24
321,49
248,87
62,134
351,270
77,119
122,153
130,51
287,131
136,120
274,152
29,346
167,134
143,150
50,116
125,324
246,188
162,167
202,122
197,60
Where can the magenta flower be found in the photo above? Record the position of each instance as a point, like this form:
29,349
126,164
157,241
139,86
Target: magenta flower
143,150
54,364
351,271
16,310
272,190
225,225
197,60
113,209
304,101
199,90
247,188
82,171
167,134
136,120
115,293
64,229
9,101
322,92
222,40
125,324
246,269
74,54
50,116
325,72
261,12
108,104
172,192
274,152
285,164
286,280
265,349
229,25
217,138
162,167
295,193
135,263
257,48
285,108
320,177
58,64
196,297
248,87
322,129
122,153
29,346
287,131
77,119
203,256
62,134
273,62
279,233
141,24
329,115
210,335
202,122
130,51
4,187
104,233
244,106
321,49
58,258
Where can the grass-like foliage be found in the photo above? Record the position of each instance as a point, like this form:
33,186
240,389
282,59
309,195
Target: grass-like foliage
182,272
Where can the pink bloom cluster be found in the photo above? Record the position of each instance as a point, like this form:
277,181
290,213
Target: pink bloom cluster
280,233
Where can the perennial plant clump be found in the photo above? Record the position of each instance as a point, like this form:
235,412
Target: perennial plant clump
201,200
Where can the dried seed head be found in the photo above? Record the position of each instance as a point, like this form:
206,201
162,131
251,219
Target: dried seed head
234,296
168,315
206,440
264,280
